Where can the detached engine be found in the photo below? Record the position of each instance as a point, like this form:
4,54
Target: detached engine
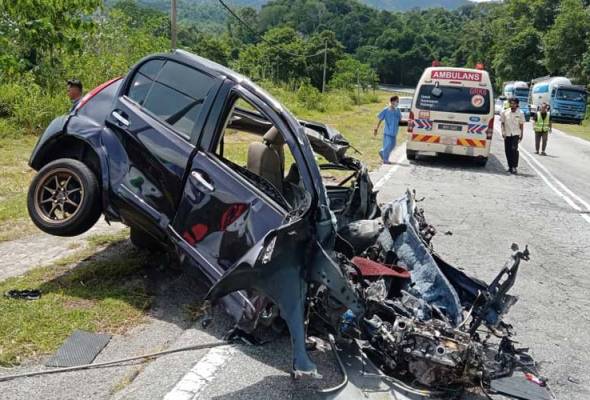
432,352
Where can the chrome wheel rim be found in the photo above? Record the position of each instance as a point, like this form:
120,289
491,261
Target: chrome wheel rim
59,196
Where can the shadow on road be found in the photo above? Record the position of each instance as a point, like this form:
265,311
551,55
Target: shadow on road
464,163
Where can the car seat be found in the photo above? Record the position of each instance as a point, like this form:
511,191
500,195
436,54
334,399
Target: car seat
267,159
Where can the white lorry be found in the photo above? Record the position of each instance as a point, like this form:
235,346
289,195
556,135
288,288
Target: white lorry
567,102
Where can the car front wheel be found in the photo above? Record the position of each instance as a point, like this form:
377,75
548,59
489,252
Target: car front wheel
64,198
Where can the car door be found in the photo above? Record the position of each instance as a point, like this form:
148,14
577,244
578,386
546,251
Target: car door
222,213
157,118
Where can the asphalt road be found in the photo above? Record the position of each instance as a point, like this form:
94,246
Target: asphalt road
479,213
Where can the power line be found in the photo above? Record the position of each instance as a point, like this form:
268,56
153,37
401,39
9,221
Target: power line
262,39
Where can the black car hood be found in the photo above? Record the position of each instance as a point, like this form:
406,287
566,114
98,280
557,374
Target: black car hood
326,141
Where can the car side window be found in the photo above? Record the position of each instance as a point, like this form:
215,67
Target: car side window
173,93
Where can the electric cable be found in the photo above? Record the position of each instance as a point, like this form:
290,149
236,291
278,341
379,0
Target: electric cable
113,362
344,381
241,21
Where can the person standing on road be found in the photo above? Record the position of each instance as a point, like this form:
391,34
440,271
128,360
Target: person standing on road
74,90
512,131
542,128
392,116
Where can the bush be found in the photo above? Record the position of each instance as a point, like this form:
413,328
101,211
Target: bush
27,108
310,98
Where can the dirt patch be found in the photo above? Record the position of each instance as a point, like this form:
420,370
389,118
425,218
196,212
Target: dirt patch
80,304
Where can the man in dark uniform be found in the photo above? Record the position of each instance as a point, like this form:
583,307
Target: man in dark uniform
74,92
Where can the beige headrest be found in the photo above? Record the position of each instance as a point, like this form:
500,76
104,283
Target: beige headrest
273,137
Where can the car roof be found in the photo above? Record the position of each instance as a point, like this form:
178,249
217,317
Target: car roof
216,70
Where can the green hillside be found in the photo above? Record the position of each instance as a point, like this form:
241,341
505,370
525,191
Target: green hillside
390,5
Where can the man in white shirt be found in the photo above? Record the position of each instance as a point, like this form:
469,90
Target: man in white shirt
512,131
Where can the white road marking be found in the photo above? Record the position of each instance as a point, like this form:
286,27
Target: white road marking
201,374
565,188
544,173
529,159
397,160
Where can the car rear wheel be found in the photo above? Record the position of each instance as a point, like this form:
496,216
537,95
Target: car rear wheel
64,198
411,154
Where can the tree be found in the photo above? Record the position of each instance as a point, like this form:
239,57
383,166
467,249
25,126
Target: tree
314,48
520,58
566,41
350,72
41,28
245,34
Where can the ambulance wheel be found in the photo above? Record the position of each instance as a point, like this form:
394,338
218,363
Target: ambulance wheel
481,161
411,154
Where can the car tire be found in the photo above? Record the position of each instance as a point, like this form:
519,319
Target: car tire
411,154
143,240
481,161
64,198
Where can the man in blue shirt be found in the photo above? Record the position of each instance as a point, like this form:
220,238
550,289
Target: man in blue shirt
392,116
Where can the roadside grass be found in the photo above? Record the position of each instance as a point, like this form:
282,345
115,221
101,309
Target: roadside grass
581,131
16,175
356,125
91,290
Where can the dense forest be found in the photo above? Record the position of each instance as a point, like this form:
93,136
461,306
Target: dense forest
43,42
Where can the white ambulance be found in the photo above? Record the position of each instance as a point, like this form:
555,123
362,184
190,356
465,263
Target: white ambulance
452,112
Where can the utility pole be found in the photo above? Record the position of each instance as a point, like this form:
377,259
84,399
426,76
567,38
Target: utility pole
325,65
173,23
358,87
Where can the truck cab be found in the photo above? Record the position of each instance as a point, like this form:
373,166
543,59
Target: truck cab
567,102
520,90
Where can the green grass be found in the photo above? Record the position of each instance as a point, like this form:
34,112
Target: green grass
582,131
90,291
16,176
356,125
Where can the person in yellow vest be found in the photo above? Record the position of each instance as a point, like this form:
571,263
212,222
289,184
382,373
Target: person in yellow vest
542,128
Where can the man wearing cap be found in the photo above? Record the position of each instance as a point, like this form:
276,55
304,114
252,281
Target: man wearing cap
74,90
512,131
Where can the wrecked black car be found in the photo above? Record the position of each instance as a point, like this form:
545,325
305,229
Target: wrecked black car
291,233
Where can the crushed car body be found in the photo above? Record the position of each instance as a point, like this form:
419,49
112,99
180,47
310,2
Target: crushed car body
292,233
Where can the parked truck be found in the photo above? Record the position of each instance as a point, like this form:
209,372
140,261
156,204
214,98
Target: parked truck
567,102
520,90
